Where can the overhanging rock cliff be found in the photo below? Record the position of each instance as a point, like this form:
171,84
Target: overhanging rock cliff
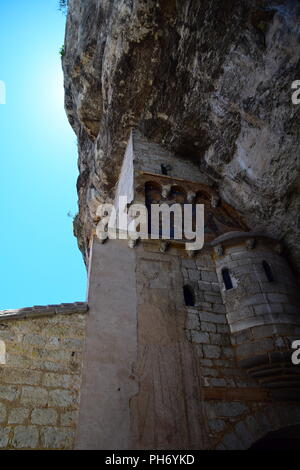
209,80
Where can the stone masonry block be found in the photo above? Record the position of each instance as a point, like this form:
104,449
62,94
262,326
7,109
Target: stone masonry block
227,352
185,273
251,285
199,337
212,317
264,331
189,263
2,412
194,274
209,276
218,308
62,381
267,308
255,299
193,322
34,396
211,351
20,376
34,340
220,340
69,418
223,329
62,398
209,327
25,437
9,392
4,436
205,286
44,416
213,297
238,315
204,261
18,415
230,409
72,344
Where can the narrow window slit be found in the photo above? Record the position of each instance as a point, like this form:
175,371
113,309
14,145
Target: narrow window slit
268,271
165,169
227,279
189,296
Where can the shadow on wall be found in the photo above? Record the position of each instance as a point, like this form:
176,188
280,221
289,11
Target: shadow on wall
283,439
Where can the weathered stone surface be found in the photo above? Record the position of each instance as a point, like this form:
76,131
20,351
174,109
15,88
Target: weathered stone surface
34,396
62,381
25,437
211,351
69,418
19,376
18,415
9,393
210,81
44,416
230,409
4,436
2,412
62,398
57,438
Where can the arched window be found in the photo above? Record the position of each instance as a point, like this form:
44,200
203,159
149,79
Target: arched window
152,192
177,195
189,296
268,271
227,279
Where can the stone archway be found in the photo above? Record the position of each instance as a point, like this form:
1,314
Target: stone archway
282,419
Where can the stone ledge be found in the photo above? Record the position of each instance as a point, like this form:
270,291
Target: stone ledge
44,311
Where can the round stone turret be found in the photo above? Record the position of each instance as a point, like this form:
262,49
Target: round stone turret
262,304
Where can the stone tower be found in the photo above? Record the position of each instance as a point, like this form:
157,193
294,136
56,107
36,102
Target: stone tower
181,351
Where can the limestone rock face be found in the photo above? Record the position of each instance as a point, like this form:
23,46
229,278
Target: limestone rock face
209,80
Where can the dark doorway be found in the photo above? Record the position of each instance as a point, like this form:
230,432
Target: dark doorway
283,439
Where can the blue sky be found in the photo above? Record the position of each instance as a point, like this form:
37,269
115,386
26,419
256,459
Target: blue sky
40,261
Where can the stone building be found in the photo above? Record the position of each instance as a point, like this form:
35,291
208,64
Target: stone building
173,349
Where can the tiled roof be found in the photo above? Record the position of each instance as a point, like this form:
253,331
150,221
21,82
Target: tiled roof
44,311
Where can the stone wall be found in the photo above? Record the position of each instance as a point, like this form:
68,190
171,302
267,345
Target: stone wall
149,156
147,353
207,326
238,409
40,379
141,385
